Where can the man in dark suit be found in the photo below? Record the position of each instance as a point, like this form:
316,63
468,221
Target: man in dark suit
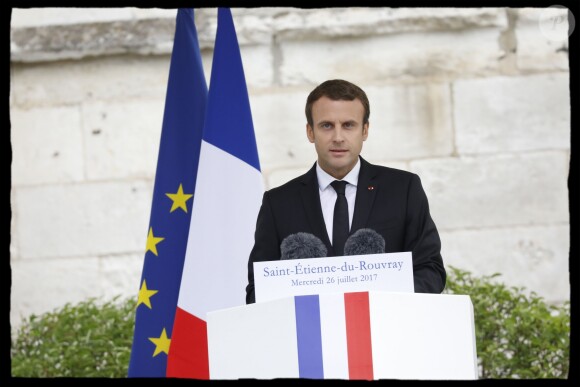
390,201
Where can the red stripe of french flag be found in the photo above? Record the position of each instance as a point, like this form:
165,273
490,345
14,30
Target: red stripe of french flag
358,335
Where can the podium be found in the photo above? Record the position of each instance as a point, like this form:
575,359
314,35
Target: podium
366,335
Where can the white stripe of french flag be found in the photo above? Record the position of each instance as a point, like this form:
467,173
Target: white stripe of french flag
221,233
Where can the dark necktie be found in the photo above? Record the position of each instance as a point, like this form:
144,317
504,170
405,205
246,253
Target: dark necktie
340,224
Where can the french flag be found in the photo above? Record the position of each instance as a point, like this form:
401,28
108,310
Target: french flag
227,199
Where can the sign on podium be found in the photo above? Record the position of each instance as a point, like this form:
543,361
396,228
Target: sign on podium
391,272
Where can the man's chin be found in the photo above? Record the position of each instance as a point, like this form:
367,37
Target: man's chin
340,169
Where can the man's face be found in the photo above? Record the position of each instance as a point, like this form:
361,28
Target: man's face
338,134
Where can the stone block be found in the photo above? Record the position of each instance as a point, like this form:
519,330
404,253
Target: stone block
504,190
438,55
293,23
81,40
503,114
112,79
153,13
37,17
254,26
536,258
408,121
542,35
47,145
537,53
258,63
82,220
280,128
122,138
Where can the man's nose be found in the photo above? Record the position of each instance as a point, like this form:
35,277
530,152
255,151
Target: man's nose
337,134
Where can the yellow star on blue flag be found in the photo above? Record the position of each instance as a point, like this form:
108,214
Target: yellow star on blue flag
161,343
179,199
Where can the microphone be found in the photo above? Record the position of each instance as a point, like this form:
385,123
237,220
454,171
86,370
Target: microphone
302,245
364,241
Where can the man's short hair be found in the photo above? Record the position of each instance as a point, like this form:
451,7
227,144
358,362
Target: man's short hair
337,90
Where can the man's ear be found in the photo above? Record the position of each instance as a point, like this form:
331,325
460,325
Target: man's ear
310,133
366,131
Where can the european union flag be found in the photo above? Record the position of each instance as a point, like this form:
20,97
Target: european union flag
175,181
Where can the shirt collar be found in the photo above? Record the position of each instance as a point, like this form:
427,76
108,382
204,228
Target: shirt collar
324,179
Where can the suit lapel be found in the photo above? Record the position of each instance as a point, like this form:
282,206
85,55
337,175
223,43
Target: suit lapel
311,200
365,196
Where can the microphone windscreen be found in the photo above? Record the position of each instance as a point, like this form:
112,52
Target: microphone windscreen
302,245
364,241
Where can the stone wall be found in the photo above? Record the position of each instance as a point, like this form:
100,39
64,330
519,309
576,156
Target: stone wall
474,100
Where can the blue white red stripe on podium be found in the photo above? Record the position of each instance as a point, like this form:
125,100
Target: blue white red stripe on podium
334,348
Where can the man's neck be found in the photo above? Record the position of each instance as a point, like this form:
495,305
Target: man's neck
325,178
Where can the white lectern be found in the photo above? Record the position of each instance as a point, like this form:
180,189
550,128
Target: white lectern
359,335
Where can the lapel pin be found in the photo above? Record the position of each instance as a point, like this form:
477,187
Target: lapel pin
371,187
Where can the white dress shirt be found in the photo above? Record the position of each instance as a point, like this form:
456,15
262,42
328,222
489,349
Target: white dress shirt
328,194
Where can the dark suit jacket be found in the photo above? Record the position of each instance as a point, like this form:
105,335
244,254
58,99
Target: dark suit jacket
396,207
